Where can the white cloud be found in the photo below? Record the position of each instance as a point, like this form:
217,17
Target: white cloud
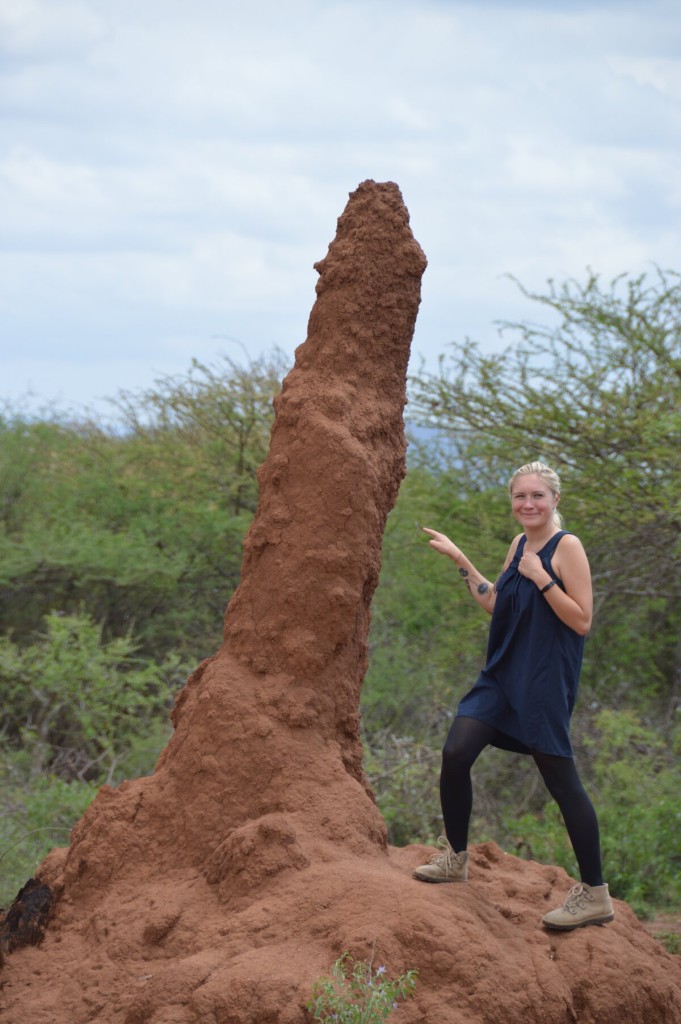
176,169
661,74
38,28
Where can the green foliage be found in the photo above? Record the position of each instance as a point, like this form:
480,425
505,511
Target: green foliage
37,813
638,781
360,996
77,711
74,704
139,523
403,774
670,940
216,420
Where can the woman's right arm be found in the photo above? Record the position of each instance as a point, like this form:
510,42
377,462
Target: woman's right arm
482,590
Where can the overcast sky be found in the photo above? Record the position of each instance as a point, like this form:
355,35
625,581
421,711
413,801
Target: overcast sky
170,170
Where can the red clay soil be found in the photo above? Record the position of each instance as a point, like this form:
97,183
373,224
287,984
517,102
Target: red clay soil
216,890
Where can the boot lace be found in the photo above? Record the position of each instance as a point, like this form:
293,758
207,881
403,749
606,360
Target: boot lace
577,899
448,858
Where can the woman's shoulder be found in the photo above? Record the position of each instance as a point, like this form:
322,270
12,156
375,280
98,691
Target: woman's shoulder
569,550
569,541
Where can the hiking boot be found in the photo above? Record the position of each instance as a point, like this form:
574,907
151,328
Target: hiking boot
585,904
444,867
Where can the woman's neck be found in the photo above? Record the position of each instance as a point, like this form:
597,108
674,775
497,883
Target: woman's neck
536,539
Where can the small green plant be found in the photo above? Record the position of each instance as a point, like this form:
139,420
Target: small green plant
670,940
364,996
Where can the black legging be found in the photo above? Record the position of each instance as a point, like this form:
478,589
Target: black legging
466,740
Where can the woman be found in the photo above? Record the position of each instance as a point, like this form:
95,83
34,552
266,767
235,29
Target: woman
541,608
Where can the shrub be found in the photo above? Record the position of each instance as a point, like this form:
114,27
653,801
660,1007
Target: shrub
365,996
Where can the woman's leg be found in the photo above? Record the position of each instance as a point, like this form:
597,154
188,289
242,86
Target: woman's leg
466,740
564,785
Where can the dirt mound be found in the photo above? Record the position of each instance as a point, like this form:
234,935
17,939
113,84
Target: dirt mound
218,889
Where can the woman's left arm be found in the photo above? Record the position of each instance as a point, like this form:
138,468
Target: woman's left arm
574,605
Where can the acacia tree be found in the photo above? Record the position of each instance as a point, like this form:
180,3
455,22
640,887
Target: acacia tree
597,394
223,412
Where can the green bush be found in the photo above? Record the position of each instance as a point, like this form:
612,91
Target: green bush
76,706
35,816
77,712
404,776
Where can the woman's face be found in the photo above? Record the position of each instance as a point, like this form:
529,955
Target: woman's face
532,501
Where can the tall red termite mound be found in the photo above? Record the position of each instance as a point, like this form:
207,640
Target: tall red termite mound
216,890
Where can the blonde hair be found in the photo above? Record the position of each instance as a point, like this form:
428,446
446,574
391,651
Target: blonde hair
550,478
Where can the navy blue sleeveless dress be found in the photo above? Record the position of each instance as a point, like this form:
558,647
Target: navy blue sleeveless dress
528,687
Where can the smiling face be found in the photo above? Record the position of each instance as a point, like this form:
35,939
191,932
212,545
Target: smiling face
532,501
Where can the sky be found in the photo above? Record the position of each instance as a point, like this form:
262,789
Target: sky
170,170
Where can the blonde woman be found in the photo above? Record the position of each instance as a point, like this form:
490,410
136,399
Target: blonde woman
541,606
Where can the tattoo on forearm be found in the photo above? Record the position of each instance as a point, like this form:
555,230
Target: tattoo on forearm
482,588
463,573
